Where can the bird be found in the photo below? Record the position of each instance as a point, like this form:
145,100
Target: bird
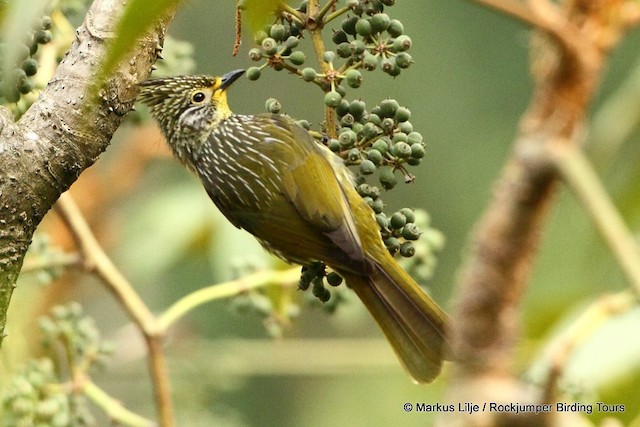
270,177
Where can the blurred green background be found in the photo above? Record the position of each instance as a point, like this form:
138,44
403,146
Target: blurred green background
467,89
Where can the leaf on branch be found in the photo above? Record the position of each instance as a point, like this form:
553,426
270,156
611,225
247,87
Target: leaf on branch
259,13
138,17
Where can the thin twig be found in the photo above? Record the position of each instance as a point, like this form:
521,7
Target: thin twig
97,261
112,407
580,176
225,290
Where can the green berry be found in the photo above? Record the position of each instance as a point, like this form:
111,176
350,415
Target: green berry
43,36
391,68
405,127
382,221
414,138
387,178
255,54
343,108
292,42
392,244
278,32
363,27
46,23
353,78
349,25
353,155
401,150
270,46
334,145
367,167
388,2
347,138
356,108
403,60
297,58
402,43
407,249
374,119
380,22
381,146
417,151
332,99
344,50
402,114
339,37
357,127
304,123
309,74
347,120
397,221
399,137
387,124
334,279
369,61
411,232
378,205
326,295
413,161
273,106
375,156
26,86
408,214
370,131
253,73
329,56
388,107
30,66
358,47
395,28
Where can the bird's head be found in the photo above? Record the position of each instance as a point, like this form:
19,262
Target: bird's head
188,105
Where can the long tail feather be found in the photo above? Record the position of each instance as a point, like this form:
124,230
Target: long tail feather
412,322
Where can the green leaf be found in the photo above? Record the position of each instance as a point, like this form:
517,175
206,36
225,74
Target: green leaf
137,18
258,13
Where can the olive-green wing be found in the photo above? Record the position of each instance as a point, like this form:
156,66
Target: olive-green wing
312,187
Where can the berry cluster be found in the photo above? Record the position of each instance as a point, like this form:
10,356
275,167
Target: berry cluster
17,81
379,142
36,395
28,400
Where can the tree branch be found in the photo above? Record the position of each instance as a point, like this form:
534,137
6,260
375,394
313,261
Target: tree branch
63,133
566,69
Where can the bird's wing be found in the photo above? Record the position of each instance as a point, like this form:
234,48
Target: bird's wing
314,188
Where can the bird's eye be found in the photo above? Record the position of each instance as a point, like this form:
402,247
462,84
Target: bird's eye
198,97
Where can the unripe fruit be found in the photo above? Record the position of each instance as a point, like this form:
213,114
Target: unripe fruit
270,46
402,43
332,99
309,74
388,178
403,60
253,73
353,78
297,58
367,167
380,22
395,28
363,27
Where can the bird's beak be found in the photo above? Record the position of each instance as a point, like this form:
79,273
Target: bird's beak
229,78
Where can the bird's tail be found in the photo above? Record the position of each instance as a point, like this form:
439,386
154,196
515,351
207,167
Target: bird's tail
412,322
